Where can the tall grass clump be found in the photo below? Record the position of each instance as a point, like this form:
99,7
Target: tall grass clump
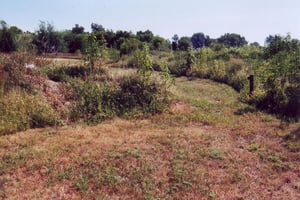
131,96
95,102
136,97
20,110
218,67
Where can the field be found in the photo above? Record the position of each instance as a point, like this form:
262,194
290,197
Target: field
208,145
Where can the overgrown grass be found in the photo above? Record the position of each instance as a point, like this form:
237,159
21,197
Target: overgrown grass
155,158
20,111
131,97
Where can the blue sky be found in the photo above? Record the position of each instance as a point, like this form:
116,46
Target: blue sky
254,19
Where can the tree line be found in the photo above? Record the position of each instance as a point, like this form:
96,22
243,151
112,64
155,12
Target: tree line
48,40
228,59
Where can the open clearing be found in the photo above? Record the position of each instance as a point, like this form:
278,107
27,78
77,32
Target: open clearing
207,146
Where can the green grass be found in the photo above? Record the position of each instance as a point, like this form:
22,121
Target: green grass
213,148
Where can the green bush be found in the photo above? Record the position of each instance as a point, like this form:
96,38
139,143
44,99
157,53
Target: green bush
136,97
130,97
59,74
279,78
95,102
178,65
14,66
20,111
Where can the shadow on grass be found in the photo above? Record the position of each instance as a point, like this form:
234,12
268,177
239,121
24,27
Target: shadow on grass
294,135
248,109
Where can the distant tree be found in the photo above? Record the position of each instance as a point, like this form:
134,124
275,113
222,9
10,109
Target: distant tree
175,39
145,36
74,41
130,45
7,37
46,39
184,43
200,40
275,44
94,53
281,76
121,37
77,29
255,44
24,42
97,27
110,36
157,42
232,40
15,30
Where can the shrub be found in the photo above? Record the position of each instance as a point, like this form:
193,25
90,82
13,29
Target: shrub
59,74
130,97
95,102
20,111
63,74
136,97
178,65
14,67
279,78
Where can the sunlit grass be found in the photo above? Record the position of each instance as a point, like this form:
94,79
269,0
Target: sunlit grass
210,147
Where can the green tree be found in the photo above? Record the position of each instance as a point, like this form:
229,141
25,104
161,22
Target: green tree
199,40
144,63
184,43
77,29
7,37
73,41
175,39
94,53
97,27
232,40
130,45
280,76
46,39
145,36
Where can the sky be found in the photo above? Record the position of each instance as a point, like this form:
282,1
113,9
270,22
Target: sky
253,19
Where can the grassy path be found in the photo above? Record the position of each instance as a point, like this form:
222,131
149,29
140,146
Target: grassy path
207,146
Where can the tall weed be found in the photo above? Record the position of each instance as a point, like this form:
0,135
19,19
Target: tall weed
20,111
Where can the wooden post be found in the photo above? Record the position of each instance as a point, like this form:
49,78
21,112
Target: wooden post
251,84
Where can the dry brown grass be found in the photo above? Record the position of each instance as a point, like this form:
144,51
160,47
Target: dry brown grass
178,155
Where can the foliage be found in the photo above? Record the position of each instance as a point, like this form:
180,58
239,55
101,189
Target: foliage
144,63
280,77
64,73
206,65
129,46
46,39
14,67
94,53
97,27
199,40
24,42
77,29
95,102
232,40
177,63
184,43
131,97
8,37
20,110
145,36
137,97
74,41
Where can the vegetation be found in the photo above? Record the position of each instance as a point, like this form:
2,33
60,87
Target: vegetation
160,137
208,146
